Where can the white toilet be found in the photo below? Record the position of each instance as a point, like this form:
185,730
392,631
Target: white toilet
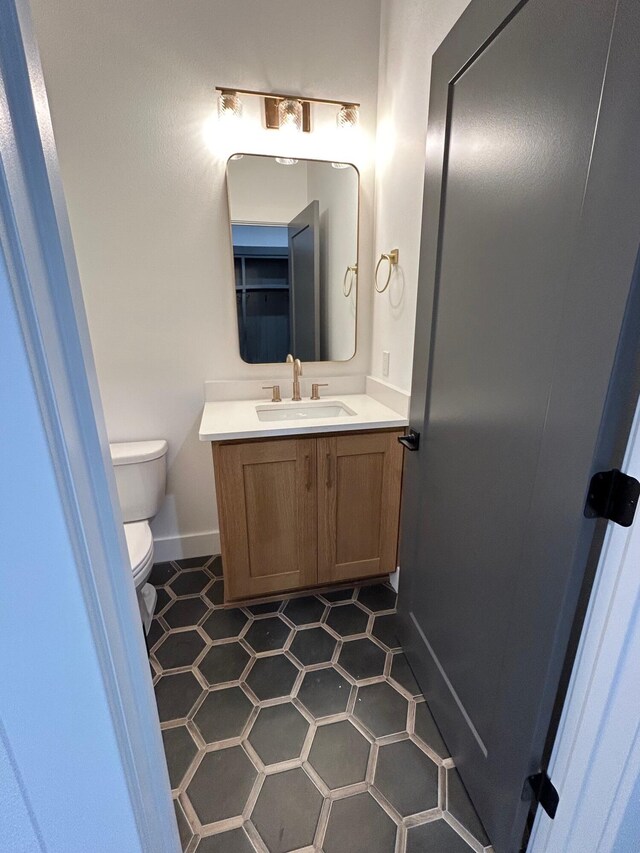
141,474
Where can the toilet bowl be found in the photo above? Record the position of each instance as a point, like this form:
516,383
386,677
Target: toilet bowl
140,470
140,548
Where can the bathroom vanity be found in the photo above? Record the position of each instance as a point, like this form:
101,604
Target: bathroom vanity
308,493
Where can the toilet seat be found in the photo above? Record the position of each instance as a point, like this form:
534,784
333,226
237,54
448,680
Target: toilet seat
140,548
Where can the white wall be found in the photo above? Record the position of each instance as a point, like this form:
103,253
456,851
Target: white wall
131,92
261,190
411,30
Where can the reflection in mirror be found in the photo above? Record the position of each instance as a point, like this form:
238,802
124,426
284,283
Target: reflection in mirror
294,226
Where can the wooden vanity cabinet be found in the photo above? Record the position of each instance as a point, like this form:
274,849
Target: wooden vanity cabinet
267,503
298,512
359,480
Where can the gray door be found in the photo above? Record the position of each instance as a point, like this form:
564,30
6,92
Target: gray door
304,283
522,374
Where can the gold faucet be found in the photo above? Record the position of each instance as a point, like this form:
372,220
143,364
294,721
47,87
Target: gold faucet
297,373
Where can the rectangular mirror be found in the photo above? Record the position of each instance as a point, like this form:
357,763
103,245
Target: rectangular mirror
294,227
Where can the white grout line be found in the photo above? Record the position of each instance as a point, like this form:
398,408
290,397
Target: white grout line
323,822
254,838
419,819
463,833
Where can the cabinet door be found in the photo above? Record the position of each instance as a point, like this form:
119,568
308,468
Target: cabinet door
267,500
359,479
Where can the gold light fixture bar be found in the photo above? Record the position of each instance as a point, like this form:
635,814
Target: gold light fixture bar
272,119
272,99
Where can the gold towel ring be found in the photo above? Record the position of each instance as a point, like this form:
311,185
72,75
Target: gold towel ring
354,272
392,258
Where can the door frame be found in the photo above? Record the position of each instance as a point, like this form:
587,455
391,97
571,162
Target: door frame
38,248
595,763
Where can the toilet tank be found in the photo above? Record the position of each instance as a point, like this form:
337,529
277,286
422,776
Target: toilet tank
141,473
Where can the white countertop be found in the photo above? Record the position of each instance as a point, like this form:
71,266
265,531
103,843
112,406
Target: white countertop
234,419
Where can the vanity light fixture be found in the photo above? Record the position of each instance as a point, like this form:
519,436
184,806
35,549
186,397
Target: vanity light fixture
286,112
348,116
229,105
290,115
346,120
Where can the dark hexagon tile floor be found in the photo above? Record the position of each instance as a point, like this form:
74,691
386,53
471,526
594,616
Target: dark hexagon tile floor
377,597
267,635
385,629
235,841
313,645
190,583
381,709
225,624
223,714
272,677
270,747
407,778
224,663
278,733
324,692
216,800
347,619
287,811
362,659
185,612
176,695
401,673
179,649
304,611
180,750
340,754
359,825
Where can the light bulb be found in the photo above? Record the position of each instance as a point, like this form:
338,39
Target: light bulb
348,116
229,106
290,115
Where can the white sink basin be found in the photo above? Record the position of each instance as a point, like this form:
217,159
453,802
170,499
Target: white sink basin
303,411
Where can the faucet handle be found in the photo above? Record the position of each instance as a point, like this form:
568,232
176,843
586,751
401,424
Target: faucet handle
314,389
275,392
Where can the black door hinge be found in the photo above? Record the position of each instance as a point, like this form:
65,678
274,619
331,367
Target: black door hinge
544,793
411,441
613,495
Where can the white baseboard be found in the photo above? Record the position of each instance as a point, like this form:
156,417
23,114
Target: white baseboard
192,545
